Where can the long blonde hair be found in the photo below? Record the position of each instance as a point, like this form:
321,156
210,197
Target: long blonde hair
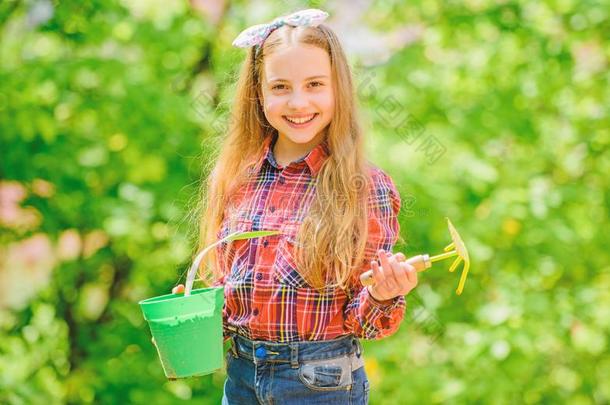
331,240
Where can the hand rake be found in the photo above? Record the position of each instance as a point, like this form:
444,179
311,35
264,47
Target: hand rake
424,261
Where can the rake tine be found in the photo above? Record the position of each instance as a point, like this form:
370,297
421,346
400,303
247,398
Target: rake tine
463,278
455,264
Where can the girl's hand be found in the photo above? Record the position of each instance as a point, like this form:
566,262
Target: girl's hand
393,278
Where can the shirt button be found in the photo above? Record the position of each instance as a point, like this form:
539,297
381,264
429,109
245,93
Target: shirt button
272,209
281,180
265,243
255,312
259,276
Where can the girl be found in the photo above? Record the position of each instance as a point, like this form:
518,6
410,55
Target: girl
293,161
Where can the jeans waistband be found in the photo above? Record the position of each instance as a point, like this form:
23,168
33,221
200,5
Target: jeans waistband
295,352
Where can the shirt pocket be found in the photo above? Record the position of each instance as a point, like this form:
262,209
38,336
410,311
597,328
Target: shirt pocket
232,225
238,255
284,267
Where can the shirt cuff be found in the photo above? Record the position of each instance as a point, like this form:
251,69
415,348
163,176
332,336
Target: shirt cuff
385,306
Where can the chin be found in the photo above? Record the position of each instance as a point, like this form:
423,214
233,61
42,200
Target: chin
297,137
301,138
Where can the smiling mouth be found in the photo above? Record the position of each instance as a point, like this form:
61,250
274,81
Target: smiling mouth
300,120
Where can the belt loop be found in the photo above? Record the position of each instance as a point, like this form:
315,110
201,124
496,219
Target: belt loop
234,346
294,355
358,346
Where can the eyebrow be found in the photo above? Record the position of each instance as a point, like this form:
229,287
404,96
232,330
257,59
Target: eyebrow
309,78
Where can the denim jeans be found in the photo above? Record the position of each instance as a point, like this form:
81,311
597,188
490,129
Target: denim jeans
308,372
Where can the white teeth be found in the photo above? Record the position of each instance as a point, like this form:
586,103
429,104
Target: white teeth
300,120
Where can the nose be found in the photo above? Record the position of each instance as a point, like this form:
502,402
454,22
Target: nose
297,100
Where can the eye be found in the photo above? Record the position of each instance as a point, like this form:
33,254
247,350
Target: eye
277,87
317,83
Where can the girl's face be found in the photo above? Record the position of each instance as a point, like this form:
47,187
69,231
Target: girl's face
298,97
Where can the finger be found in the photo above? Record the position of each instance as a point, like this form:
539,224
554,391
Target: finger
400,274
377,274
400,257
178,289
386,268
379,284
411,273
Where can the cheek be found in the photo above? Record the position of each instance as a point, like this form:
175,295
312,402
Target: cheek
272,106
327,103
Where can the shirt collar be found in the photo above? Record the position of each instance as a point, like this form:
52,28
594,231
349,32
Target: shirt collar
313,159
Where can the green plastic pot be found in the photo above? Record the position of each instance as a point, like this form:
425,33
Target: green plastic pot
187,328
187,331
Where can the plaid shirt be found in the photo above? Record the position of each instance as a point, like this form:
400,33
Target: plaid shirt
265,296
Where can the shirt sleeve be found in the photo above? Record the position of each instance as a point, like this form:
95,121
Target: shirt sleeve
365,316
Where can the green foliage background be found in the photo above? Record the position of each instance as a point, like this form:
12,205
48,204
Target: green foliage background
109,111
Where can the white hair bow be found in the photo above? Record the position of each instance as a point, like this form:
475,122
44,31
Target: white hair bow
256,34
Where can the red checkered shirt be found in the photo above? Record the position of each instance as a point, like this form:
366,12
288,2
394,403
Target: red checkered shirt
265,296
